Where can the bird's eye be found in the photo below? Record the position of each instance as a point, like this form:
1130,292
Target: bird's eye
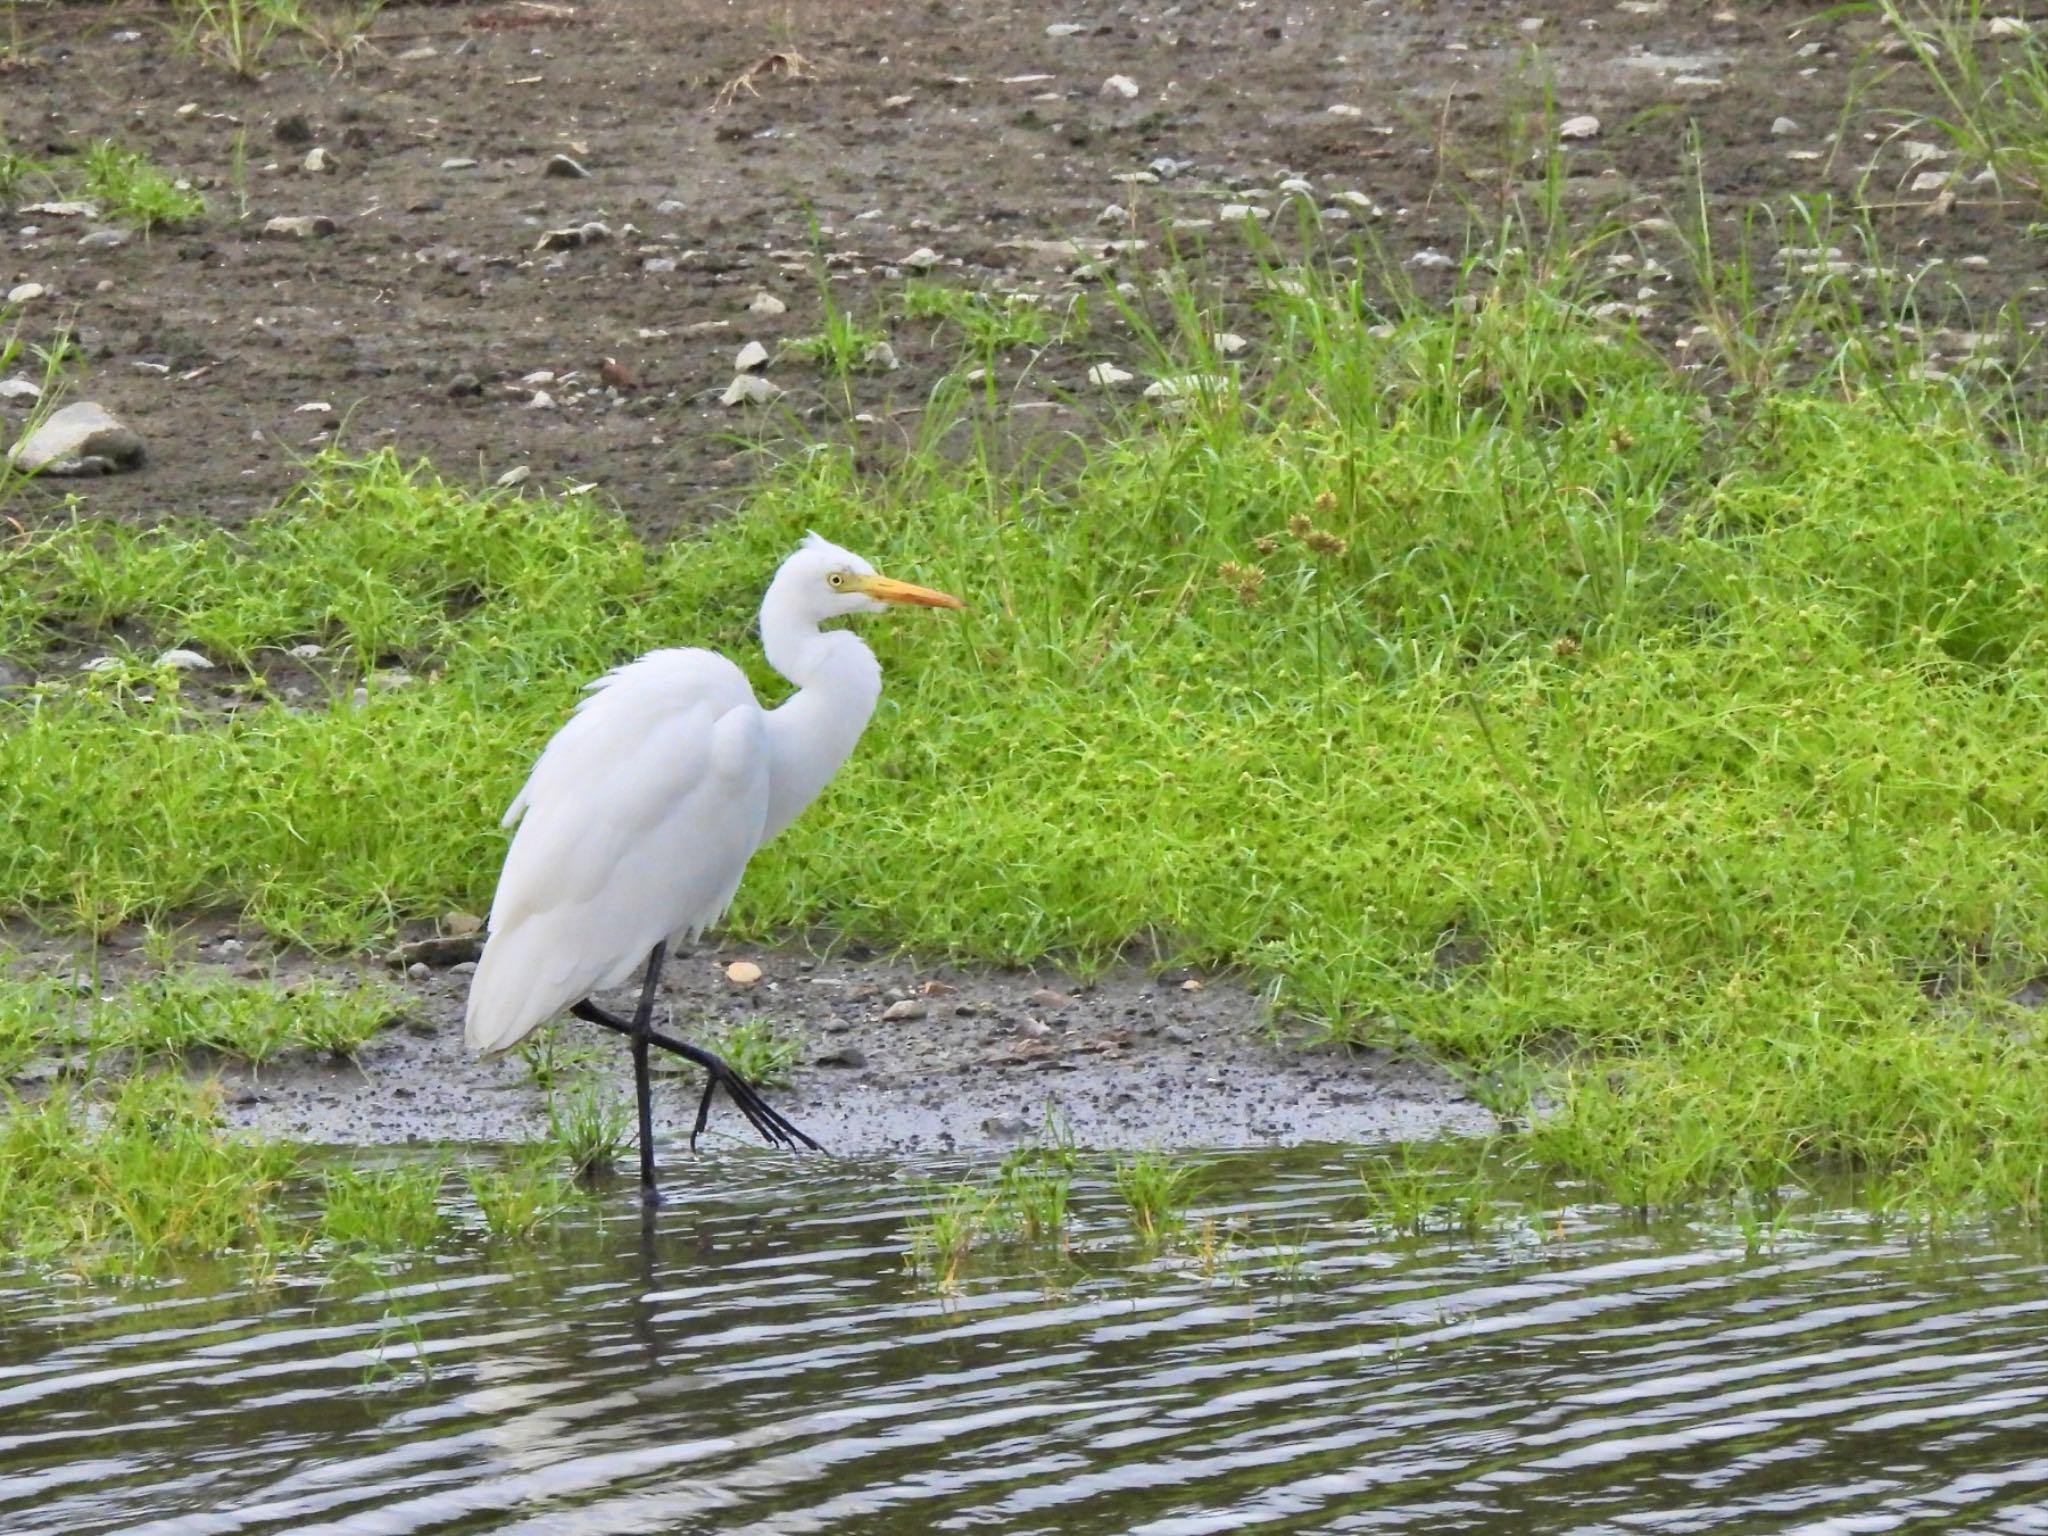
836,579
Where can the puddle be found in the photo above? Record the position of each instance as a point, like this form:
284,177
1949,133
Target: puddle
769,1364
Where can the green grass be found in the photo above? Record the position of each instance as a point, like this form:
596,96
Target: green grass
589,1125
382,1210
1154,1190
1708,720
126,186
984,323
1993,91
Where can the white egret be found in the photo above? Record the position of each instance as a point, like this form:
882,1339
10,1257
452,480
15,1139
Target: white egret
641,814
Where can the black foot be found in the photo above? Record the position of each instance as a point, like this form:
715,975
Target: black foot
763,1116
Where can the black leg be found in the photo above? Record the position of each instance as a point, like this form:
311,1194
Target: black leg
765,1119
643,1078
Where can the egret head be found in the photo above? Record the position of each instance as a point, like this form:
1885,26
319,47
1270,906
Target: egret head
823,581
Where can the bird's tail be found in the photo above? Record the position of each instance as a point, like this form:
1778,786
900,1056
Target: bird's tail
507,1000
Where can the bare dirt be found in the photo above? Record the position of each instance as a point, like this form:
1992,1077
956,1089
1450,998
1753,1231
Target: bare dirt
989,135
985,133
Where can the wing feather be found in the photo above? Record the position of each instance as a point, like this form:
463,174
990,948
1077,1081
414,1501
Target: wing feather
635,825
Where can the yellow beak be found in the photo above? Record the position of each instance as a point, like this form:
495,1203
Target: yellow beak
887,589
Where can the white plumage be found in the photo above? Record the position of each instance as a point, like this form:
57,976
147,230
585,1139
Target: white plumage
638,820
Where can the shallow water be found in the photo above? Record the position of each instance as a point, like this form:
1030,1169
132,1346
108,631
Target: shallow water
771,1365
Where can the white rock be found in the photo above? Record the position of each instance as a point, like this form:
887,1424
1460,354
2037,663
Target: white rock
312,407
1136,178
185,661
1931,181
1229,343
306,652
538,377
1185,386
880,356
1432,260
1299,186
515,476
22,293
540,400
1529,24
84,438
1120,85
909,1008
1344,109
1108,375
1585,126
1065,29
1115,213
1234,212
1780,126
63,210
102,664
753,355
2007,26
299,226
764,303
749,389
923,259
20,389
1361,202
458,163
317,162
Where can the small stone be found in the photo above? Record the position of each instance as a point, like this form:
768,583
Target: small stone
103,239
540,400
753,355
1108,375
881,357
83,438
1298,186
743,973
22,293
299,226
1178,1034
317,162
187,112
1120,86
572,236
1530,24
1781,126
415,55
306,652
671,206
1165,167
1184,387
1931,181
417,972
763,303
1232,213
844,1055
64,210
462,968
1046,997
1034,1029
750,389
909,1008
20,389
2007,26
1065,29
185,661
1585,126
1193,984
465,384
515,476
1229,343
461,925
458,163
1136,178
1115,213
313,407
1431,260
1344,109
439,951
923,259
565,165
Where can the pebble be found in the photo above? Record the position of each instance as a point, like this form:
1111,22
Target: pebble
1179,1034
462,968
1431,261
923,259
1008,1124
743,973
1065,29
1232,213
540,400
20,389
1780,126
574,235
1344,109
458,163
1300,186
306,652
1229,343
517,475
63,210
103,239
1136,178
417,971
750,389
317,162
22,293
1046,997
84,438
2007,26
299,226
1034,1029
1931,181
465,384
753,355
567,166
764,303
1115,213
1184,386
185,661
461,924
846,1055
909,1008
1166,167
414,55
1531,24
1585,126
882,357
1108,374
1120,85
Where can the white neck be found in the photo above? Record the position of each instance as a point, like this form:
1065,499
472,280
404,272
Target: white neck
814,730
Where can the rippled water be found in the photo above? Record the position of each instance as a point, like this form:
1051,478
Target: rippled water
770,1365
